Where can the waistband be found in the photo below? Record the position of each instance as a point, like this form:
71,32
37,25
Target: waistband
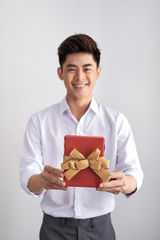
76,222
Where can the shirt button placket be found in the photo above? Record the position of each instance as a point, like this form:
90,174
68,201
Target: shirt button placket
77,203
79,128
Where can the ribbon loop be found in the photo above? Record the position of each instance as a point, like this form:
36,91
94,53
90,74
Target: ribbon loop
75,154
94,164
94,155
104,162
65,165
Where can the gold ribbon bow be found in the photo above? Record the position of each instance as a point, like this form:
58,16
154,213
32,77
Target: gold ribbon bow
75,162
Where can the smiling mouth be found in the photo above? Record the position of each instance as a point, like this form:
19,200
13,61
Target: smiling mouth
79,85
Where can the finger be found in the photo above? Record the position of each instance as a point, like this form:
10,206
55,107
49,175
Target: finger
115,190
56,187
48,178
54,171
117,175
112,184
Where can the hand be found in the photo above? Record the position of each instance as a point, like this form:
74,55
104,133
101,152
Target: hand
48,179
118,183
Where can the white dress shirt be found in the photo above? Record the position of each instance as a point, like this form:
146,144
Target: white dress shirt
44,145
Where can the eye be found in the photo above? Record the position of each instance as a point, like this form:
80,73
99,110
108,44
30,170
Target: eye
87,69
71,69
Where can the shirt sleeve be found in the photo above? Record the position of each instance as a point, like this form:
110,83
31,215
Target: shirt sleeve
127,157
31,162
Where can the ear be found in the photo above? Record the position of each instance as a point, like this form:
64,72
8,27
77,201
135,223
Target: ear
99,72
60,74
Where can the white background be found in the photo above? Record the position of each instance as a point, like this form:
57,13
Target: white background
128,34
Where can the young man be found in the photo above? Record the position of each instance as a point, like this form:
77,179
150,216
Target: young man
78,213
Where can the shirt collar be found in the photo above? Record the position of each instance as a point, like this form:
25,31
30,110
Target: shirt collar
94,106
65,107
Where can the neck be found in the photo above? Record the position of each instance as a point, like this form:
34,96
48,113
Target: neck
78,107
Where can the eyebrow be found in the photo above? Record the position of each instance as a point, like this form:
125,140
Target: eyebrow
71,65
85,65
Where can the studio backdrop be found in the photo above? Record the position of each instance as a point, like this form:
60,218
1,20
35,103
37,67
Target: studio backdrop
128,34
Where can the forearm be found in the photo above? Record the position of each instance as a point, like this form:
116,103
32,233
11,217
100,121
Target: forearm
35,184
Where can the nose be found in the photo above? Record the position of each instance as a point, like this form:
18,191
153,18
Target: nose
80,75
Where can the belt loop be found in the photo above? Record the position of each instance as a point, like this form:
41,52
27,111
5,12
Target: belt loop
63,221
91,223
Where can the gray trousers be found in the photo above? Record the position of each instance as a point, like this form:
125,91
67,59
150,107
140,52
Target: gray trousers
77,229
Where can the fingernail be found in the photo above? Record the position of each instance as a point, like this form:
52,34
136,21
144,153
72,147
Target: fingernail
101,185
63,184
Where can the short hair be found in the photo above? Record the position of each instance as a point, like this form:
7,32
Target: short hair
76,44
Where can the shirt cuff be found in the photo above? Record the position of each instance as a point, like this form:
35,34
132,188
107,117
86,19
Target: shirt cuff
24,183
138,175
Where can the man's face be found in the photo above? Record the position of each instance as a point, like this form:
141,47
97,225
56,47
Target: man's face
79,74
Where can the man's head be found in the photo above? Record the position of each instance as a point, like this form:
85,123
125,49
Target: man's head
78,43
79,69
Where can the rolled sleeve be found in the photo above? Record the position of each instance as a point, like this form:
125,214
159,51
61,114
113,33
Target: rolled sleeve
127,157
31,162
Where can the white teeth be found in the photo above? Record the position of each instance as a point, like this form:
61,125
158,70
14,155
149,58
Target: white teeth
79,85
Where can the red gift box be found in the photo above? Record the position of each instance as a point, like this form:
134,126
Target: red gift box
85,145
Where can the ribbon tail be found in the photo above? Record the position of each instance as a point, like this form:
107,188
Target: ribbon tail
69,174
103,174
